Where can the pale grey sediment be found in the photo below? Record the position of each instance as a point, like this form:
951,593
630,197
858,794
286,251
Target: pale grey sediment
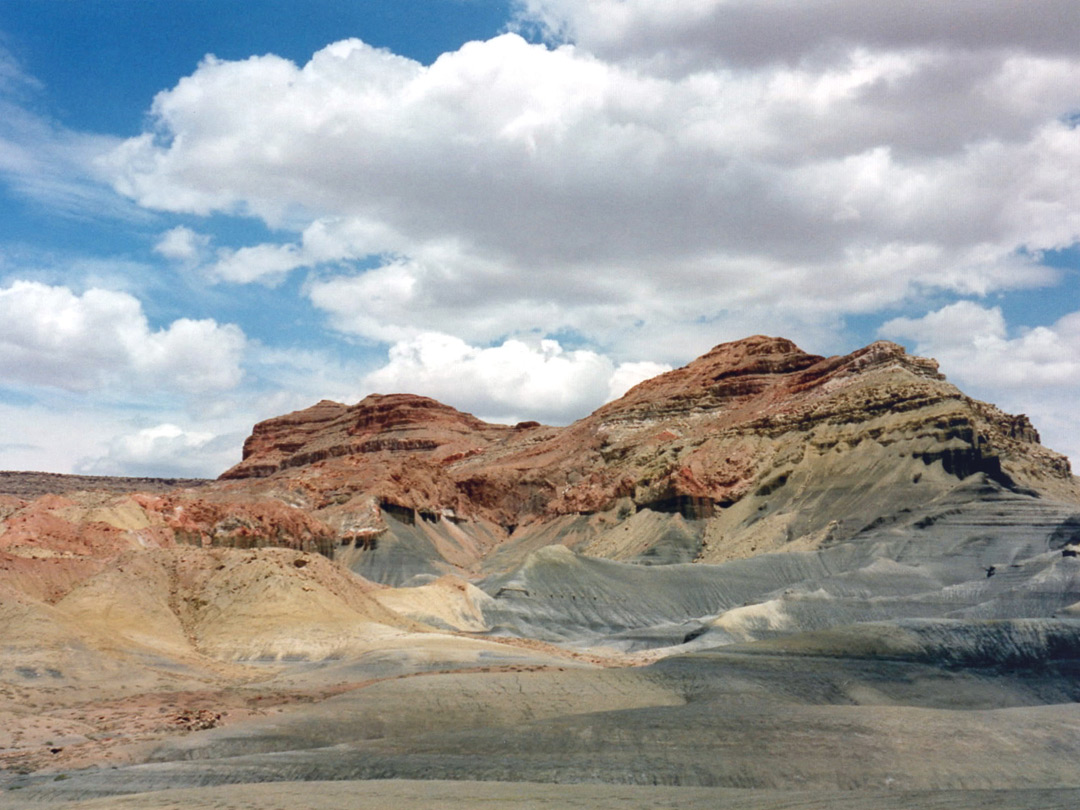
464,795
984,552
927,705
933,656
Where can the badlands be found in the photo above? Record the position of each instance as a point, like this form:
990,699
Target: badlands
766,579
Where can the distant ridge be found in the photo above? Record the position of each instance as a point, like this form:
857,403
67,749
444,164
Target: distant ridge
756,447
766,569
27,484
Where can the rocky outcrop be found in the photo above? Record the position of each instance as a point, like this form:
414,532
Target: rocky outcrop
741,420
391,424
100,524
756,446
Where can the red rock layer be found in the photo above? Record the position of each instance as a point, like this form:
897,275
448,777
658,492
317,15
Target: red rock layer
743,420
704,434
396,424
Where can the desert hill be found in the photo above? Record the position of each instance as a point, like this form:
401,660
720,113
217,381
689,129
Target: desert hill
765,571
714,430
34,484
757,446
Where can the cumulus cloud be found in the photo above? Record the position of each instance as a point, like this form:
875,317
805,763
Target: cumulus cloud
973,344
807,161
182,244
101,339
164,450
510,381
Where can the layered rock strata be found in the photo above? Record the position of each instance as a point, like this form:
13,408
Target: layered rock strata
755,447
761,446
919,627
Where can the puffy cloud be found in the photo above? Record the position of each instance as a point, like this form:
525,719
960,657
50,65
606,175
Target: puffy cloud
266,264
508,382
326,240
377,304
50,336
183,245
843,158
163,450
973,346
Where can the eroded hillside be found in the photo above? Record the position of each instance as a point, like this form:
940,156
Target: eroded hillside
766,569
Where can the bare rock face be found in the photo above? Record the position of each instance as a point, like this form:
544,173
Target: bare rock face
757,446
708,433
759,434
871,546
379,425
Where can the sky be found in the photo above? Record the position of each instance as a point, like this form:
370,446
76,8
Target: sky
213,212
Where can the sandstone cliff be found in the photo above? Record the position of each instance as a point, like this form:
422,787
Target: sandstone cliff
762,444
869,546
756,446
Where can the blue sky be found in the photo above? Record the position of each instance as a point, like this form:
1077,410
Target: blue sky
216,212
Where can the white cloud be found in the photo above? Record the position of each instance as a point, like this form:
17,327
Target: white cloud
627,375
973,345
164,450
182,244
50,336
44,437
68,433
328,239
266,264
841,161
507,382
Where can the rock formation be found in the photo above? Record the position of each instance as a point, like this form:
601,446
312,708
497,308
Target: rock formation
842,574
760,445
754,447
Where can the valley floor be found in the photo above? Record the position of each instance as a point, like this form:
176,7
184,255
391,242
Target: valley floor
934,664
442,795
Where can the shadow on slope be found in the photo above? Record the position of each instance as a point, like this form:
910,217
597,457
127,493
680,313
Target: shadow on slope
981,552
868,708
